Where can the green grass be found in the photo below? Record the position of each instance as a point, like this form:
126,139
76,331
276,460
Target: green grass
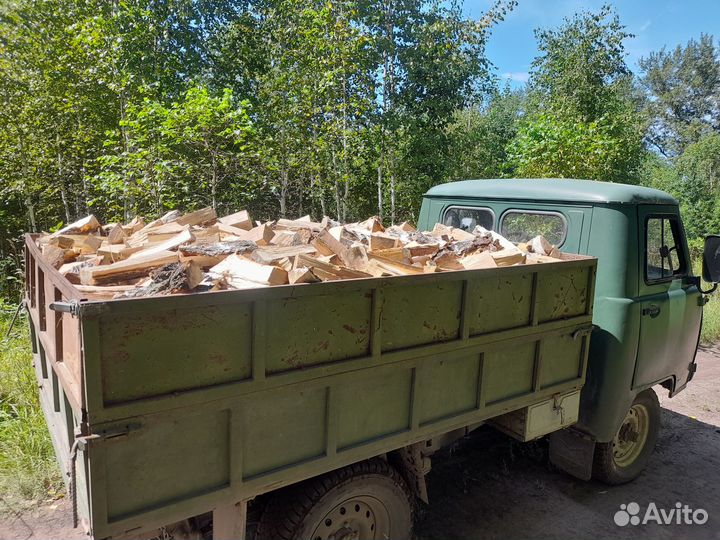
710,332
27,463
711,321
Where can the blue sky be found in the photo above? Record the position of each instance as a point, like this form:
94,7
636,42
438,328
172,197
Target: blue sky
655,24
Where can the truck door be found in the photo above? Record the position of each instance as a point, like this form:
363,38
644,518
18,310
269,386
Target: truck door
669,299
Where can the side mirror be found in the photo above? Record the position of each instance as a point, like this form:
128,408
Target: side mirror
711,259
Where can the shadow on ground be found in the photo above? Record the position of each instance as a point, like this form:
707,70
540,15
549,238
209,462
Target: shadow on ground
491,487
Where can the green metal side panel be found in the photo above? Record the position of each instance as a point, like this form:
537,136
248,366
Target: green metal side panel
202,399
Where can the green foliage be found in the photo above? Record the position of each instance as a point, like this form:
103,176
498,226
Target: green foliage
478,136
683,92
182,155
609,148
694,179
582,120
27,462
581,69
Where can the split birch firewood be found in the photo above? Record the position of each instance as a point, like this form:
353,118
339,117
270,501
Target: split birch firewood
237,267
116,235
261,235
269,255
508,257
302,275
300,224
240,219
127,269
116,252
413,249
171,243
395,267
204,215
85,225
540,245
479,260
371,224
326,270
383,241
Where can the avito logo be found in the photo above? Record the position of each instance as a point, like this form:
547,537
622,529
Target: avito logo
681,514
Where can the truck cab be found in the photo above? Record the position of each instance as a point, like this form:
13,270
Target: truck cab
647,307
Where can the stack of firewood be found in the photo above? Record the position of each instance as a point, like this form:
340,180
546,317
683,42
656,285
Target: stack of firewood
195,252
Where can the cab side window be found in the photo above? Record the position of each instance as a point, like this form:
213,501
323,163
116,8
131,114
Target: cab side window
664,254
467,218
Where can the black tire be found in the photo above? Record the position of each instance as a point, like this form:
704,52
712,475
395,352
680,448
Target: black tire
351,499
615,464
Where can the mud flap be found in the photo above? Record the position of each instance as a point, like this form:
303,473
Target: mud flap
572,452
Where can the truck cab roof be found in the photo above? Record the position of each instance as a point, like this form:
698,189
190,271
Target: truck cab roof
552,190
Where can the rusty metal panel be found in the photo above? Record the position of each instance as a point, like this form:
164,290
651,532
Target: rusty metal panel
309,330
145,354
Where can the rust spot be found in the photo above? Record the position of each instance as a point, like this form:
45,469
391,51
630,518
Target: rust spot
349,328
216,358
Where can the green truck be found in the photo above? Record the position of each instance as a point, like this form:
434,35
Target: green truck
312,411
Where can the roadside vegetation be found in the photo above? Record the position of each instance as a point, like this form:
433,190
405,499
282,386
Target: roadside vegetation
27,462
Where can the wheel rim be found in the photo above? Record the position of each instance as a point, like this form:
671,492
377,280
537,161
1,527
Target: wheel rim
356,518
632,435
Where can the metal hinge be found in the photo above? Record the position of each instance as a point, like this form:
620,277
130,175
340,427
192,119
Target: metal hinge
76,309
81,443
581,332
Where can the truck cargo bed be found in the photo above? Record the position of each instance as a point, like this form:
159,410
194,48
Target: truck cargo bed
184,402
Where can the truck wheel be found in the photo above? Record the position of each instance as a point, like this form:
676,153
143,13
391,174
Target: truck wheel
627,455
363,501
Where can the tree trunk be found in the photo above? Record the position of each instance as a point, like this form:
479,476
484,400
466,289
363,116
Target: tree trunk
31,214
283,191
380,191
61,178
213,184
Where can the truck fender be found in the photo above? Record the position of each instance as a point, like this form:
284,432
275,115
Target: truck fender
572,451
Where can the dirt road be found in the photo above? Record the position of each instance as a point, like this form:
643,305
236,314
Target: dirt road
490,487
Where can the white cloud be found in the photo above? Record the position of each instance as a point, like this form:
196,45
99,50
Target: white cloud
517,76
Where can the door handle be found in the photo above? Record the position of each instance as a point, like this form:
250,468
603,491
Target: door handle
653,310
